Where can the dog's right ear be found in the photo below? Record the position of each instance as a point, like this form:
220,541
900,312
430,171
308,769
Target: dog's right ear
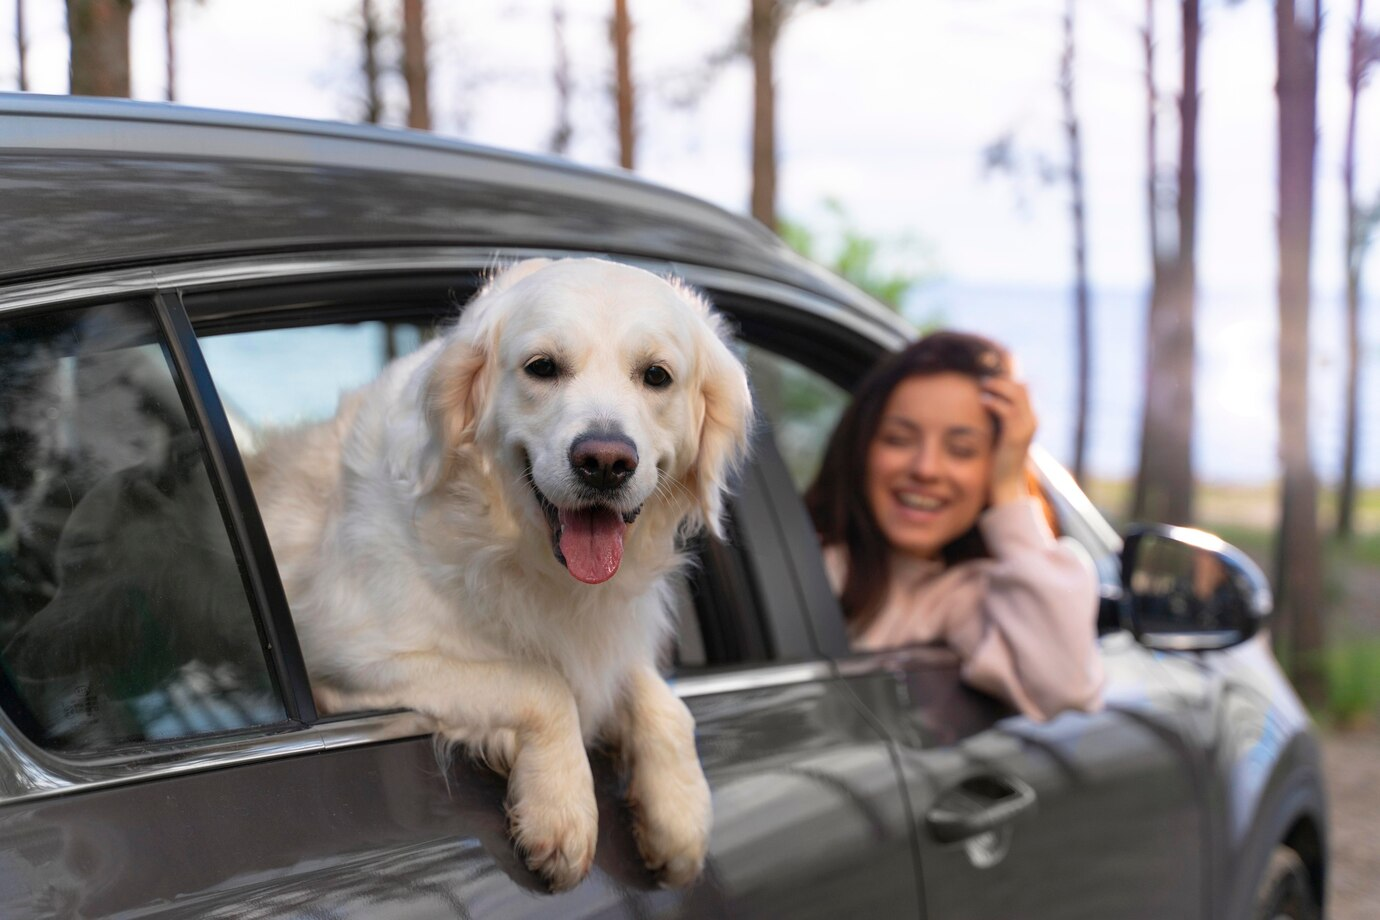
437,415
455,383
455,389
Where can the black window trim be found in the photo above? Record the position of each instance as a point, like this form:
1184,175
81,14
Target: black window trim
814,599
768,562
277,632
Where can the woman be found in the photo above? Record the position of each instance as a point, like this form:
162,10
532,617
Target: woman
933,531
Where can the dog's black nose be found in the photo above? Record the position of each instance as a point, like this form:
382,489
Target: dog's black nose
603,461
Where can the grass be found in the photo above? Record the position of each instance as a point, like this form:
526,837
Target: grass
1364,549
1352,670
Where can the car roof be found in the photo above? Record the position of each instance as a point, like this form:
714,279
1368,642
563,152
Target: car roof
100,183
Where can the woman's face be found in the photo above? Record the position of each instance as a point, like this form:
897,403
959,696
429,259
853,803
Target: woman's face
930,463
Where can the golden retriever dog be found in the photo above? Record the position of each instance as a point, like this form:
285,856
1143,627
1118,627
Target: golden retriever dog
487,534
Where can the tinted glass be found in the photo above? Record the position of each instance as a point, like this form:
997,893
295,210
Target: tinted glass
802,406
123,611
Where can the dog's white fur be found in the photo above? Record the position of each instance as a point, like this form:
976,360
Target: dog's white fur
419,564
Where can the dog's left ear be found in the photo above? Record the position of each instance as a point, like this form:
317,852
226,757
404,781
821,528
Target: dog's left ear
725,420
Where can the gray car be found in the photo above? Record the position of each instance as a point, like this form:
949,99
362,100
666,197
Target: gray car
174,280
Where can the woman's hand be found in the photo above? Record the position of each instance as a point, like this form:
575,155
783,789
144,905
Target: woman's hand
1009,401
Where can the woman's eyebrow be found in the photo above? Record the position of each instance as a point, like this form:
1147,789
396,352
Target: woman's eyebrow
900,420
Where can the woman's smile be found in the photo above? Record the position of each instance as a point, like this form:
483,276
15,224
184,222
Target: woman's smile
917,502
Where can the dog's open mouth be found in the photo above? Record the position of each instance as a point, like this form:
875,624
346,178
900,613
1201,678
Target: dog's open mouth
587,540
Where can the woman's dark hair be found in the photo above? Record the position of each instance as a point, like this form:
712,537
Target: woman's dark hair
837,500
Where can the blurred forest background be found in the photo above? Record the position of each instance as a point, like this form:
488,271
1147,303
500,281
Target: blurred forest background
1182,379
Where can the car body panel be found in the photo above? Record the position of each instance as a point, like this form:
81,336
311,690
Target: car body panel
1082,769
805,799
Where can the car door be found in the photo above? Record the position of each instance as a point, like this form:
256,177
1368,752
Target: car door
1086,816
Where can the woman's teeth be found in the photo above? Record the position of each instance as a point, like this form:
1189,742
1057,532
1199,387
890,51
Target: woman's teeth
919,502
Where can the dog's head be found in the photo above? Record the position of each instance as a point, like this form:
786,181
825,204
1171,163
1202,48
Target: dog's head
599,390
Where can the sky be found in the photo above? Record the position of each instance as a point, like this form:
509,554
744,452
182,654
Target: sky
884,105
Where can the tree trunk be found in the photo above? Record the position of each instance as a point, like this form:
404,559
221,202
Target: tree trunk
99,32
415,70
1164,483
1355,252
373,98
763,29
170,49
1082,320
23,45
1298,559
562,132
623,84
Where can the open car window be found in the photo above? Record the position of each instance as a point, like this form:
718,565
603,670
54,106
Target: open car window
126,617
274,378
802,407
270,376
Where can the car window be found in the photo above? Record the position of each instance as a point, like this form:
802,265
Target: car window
125,612
277,377
802,407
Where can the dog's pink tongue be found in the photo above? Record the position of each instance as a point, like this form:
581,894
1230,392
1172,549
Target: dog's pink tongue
592,543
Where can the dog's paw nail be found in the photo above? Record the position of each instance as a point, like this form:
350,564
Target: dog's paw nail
561,870
674,855
558,847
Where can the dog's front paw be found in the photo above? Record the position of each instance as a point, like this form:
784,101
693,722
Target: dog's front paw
554,822
671,821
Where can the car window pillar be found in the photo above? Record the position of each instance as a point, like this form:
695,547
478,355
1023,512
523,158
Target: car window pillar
233,491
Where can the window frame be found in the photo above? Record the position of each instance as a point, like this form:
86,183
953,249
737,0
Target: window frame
796,336
760,629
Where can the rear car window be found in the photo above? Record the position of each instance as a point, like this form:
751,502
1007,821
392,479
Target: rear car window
124,616
271,378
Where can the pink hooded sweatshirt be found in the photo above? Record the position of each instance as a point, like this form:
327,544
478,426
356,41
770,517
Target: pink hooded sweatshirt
1024,622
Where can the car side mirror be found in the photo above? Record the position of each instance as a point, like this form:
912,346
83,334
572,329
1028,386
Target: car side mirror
1187,590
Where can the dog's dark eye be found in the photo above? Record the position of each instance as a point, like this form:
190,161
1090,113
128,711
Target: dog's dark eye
656,376
543,368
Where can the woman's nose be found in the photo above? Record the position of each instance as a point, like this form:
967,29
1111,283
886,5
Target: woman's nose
926,462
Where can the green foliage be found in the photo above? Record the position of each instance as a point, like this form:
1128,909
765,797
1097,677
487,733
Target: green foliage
865,261
1352,671
1364,549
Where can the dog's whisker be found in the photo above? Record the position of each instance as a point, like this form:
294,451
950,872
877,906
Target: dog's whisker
668,487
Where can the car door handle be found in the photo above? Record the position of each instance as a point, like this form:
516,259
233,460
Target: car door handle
977,805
